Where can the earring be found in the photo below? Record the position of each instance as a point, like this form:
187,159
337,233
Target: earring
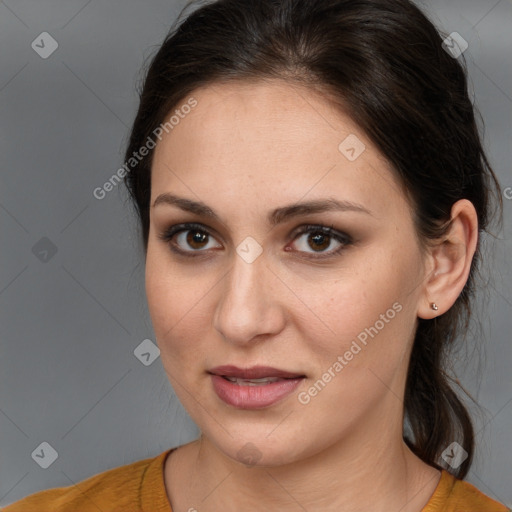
433,305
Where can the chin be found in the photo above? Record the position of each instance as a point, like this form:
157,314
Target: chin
258,451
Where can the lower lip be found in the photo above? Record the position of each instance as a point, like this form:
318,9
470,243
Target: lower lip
253,397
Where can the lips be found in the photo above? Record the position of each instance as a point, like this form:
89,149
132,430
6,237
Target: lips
253,388
256,372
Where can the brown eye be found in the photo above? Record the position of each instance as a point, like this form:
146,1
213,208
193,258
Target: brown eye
316,239
196,239
189,239
193,240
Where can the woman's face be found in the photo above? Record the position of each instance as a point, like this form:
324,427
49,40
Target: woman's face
251,287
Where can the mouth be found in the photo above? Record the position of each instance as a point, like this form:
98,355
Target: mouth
256,374
253,388
252,382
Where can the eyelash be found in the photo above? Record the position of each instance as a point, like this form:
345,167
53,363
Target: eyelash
344,239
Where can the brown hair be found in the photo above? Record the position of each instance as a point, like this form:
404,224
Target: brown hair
383,62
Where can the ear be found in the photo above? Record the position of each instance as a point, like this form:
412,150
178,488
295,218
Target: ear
449,261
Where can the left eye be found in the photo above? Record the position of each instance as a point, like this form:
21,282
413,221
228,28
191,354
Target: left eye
196,237
319,238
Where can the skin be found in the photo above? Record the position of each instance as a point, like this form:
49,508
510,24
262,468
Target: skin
244,150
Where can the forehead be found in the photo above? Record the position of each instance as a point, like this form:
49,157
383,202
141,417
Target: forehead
273,138
274,107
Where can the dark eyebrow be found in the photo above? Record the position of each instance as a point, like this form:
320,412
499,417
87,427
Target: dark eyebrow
274,217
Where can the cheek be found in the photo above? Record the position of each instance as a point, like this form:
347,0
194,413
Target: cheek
365,356
158,292
177,299
167,295
370,310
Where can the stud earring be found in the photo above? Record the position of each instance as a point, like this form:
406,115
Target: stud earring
433,305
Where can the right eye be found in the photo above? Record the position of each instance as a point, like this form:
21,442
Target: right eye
189,235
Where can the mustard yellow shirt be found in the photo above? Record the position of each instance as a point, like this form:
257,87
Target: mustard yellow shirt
139,487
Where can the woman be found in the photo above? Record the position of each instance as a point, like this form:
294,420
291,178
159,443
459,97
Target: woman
311,187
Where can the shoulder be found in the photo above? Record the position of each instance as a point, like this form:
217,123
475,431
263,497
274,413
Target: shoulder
454,495
120,486
467,497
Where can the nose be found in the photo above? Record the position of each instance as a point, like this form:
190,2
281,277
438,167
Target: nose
249,305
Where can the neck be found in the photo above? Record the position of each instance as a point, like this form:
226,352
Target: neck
362,472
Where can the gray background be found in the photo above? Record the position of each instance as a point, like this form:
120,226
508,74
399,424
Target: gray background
70,321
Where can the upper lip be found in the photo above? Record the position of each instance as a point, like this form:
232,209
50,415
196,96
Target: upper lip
255,372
